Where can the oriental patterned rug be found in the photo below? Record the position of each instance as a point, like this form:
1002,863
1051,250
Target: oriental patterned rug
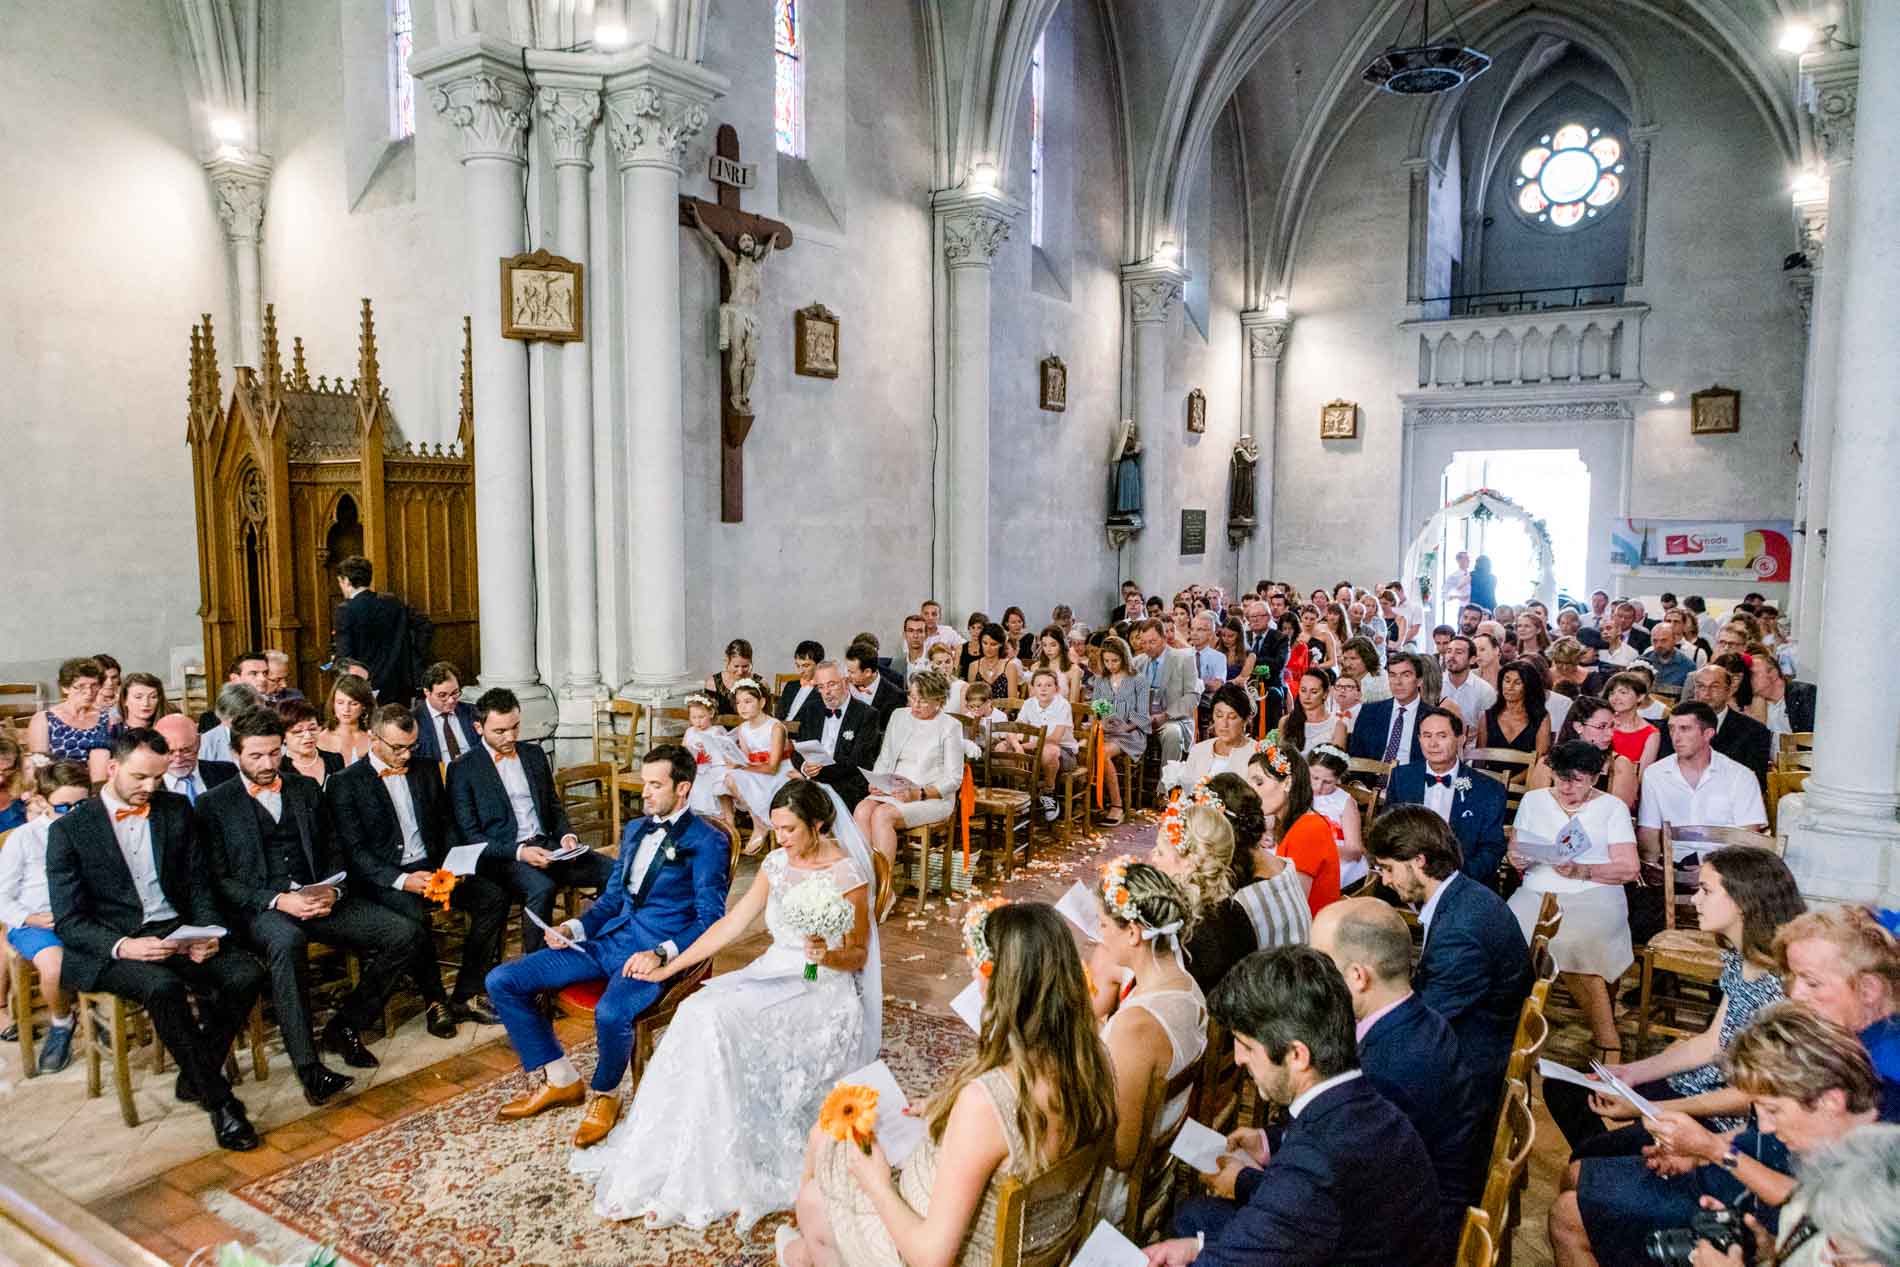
448,1186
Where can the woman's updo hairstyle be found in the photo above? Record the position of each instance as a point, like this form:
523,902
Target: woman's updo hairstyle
807,800
1139,894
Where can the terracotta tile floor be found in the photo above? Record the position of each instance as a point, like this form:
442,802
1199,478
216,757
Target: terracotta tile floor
922,965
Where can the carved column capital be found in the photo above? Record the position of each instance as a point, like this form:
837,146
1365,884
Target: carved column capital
241,186
1152,291
1830,84
1266,336
569,115
491,110
975,226
1811,228
652,126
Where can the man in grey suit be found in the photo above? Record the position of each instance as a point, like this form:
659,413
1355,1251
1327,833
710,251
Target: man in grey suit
1173,686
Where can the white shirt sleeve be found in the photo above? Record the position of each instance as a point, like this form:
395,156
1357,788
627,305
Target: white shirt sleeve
13,877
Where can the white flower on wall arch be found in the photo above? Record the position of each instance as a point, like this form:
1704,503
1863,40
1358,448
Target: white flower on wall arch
1569,176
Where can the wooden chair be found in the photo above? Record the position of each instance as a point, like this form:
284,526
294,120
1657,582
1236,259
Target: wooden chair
1550,918
1042,1221
1008,791
1508,1173
1223,1082
1368,798
1475,1246
1075,789
584,791
1513,764
1533,1031
128,1026
21,699
617,733
581,998
1792,751
194,696
1782,782
1152,1176
1688,952
1366,768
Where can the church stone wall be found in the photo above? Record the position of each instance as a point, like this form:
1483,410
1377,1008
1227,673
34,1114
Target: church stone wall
116,250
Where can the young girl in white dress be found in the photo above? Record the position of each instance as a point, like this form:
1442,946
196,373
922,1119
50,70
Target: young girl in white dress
718,1124
768,760
713,750
1328,767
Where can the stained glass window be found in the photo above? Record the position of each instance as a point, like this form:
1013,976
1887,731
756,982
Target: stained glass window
1569,176
402,85
788,100
1035,144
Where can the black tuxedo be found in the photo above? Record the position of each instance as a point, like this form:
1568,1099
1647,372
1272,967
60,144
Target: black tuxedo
214,773
787,694
1800,697
1740,738
860,733
885,700
482,811
427,745
374,628
370,834
96,905
257,860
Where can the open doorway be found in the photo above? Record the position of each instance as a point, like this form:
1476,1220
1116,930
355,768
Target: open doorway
1552,485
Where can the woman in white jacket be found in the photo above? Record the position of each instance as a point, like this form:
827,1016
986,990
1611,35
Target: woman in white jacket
923,752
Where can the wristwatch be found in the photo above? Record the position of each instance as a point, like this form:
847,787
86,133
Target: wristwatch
1730,1159
661,952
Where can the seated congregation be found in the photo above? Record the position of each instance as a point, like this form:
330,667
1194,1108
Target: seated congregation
1381,856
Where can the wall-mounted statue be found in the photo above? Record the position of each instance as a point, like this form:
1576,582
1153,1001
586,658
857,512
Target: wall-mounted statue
1241,517
1124,492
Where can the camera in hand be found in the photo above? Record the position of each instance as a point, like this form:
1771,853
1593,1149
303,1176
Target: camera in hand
1673,1246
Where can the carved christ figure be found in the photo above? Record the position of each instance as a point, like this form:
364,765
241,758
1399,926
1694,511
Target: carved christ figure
739,314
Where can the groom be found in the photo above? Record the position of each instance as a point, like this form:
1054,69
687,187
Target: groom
668,886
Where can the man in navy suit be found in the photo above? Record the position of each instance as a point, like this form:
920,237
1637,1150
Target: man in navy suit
1475,970
869,684
502,794
668,886
1469,800
1350,1176
1406,1050
373,628
445,725
1387,729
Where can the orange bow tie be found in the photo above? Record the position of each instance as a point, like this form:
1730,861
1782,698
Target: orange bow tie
394,774
507,756
120,815
259,789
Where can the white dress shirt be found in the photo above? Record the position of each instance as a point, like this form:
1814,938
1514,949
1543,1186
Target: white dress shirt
1408,715
442,722
23,888
271,798
190,786
1726,795
414,850
636,875
1430,908
1318,1089
1438,797
1472,696
515,781
134,835
798,700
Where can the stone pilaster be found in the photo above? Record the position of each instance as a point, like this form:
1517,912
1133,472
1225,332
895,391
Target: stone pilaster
1153,294
242,186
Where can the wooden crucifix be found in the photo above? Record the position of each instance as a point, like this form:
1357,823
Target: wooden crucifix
742,242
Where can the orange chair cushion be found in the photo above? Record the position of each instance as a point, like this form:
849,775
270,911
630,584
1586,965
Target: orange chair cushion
584,996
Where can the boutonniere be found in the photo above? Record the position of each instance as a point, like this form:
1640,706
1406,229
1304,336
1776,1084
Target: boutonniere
671,851
849,733
1461,784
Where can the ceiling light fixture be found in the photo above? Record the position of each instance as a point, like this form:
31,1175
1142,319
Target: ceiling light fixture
1809,187
1425,68
609,35
227,128
983,178
1665,398
1167,253
1276,309
1796,37
1800,37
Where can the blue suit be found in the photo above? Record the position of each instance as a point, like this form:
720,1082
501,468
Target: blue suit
426,743
679,898
1374,728
1477,815
1411,1056
1346,1186
1475,972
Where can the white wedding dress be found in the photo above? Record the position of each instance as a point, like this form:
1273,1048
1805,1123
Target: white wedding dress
718,1125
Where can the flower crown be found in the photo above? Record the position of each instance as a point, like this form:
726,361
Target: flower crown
1173,819
1121,903
703,700
1328,750
975,944
1276,756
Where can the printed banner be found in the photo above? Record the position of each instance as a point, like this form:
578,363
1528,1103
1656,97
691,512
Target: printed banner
1761,547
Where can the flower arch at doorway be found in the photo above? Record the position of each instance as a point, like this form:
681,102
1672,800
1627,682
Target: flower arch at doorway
1421,558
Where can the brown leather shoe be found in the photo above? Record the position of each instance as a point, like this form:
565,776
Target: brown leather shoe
602,1112
541,1099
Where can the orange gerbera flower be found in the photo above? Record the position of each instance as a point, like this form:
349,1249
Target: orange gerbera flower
850,1112
439,886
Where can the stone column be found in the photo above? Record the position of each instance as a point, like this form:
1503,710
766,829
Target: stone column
1154,293
1266,340
656,105
1845,841
241,185
971,228
570,107
1828,89
1641,140
477,85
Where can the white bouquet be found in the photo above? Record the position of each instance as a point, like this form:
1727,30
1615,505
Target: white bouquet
816,909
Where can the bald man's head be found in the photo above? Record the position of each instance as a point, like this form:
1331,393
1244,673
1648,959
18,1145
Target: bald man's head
181,736
1366,933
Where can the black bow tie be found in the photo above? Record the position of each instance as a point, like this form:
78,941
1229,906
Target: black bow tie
1442,780
834,712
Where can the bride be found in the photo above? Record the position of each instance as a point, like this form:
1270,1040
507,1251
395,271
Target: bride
718,1124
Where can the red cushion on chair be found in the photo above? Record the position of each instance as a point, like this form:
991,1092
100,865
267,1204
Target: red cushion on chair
584,995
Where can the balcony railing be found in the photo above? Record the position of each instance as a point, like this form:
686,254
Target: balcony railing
1495,303
1571,345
